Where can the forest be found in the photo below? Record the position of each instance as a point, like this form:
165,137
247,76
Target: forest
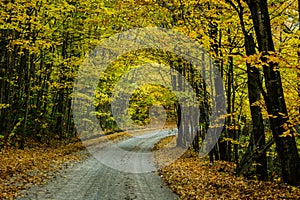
252,45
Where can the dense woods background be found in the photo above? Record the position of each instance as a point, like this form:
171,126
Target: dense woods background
255,45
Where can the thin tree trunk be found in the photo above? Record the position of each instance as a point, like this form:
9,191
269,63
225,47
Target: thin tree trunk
4,84
254,95
298,52
24,65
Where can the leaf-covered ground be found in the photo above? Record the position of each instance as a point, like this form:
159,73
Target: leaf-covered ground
189,176
193,178
20,169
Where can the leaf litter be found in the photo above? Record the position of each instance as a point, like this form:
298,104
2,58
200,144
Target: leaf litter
191,177
20,169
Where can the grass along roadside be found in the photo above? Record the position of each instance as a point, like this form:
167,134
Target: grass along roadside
193,178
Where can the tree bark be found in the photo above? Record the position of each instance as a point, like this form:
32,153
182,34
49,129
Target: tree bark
298,52
254,95
276,107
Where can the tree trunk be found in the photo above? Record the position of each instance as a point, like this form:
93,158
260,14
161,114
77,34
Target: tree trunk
254,95
298,52
276,107
4,84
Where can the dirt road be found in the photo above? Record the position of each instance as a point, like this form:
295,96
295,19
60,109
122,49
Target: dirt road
131,175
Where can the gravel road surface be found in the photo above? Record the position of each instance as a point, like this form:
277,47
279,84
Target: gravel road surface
131,175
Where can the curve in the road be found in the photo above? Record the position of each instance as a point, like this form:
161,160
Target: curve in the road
93,180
